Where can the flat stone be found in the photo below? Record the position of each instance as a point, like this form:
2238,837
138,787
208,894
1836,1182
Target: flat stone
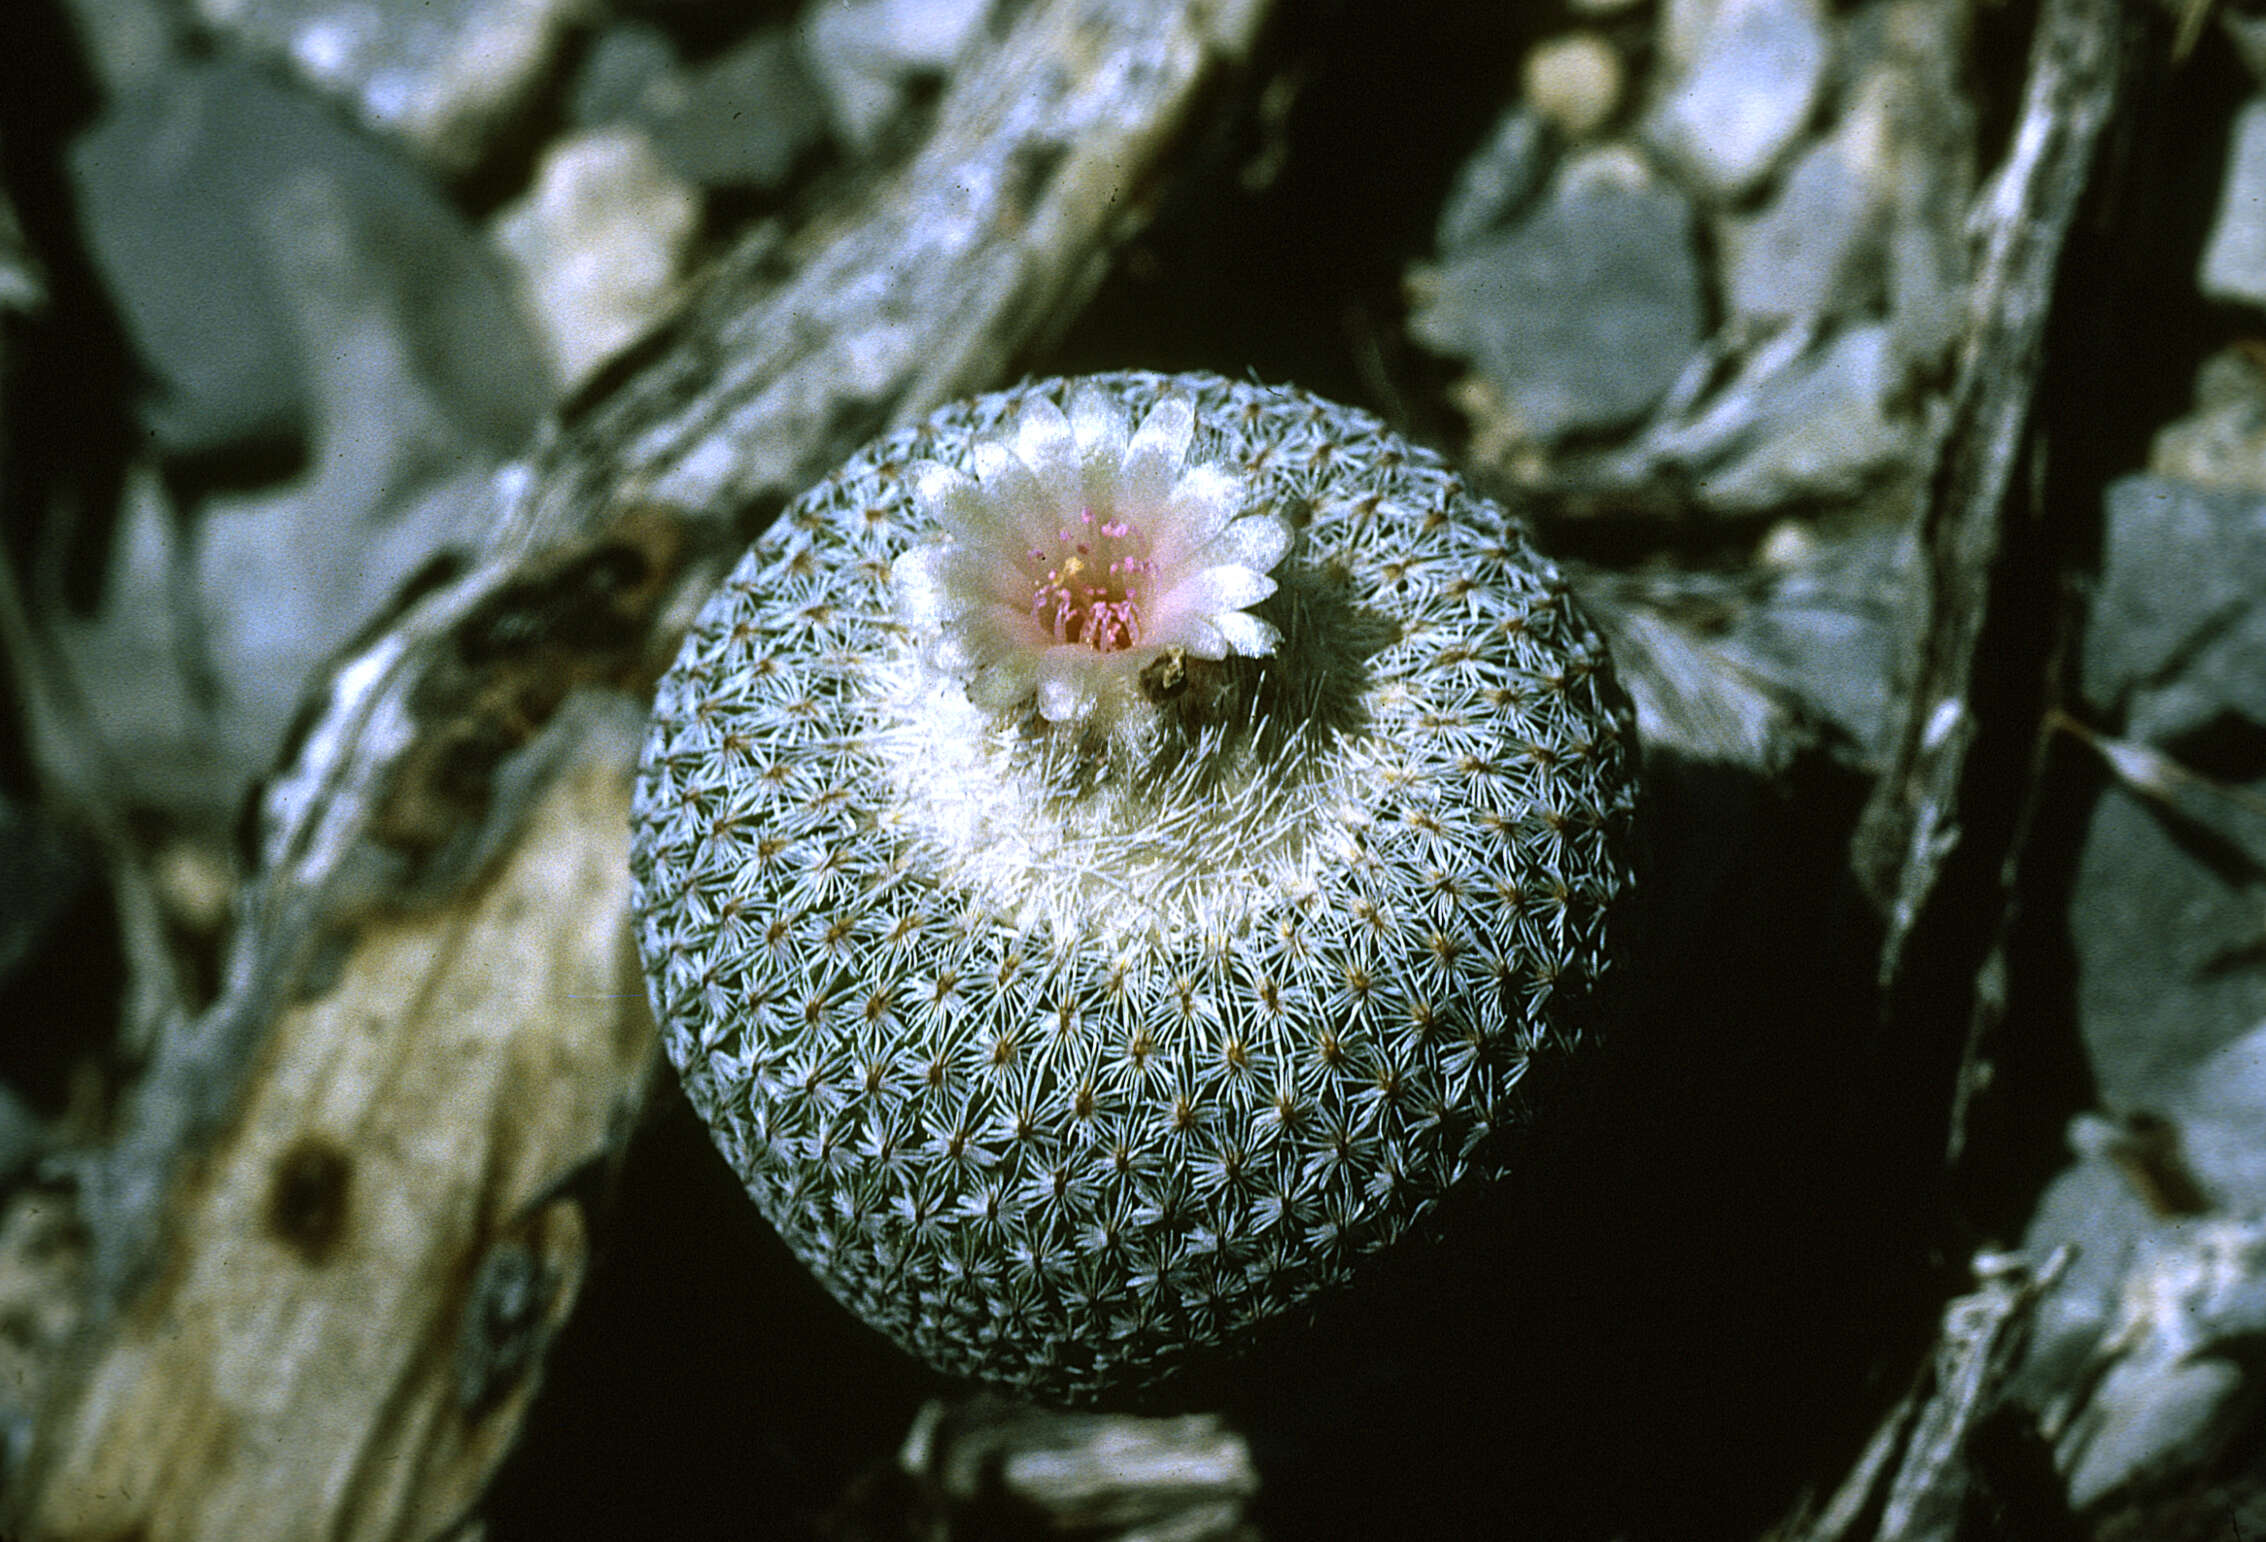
2222,1123
1822,430
1497,182
190,197
167,184
1815,249
2234,259
442,76
2154,934
229,207
1830,634
625,61
1581,314
2137,1354
2177,625
1743,78
743,119
126,43
2172,643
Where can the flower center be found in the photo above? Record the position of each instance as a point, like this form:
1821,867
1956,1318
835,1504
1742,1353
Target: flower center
1095,579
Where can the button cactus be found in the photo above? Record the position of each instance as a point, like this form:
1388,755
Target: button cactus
1111,858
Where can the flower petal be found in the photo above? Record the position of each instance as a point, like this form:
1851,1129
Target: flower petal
1066,682
947,496
1199,636
1197,509
1256,541
918,580
1003,682
1246,634
1017,507
1045,442
981,638
1100,431
1154,456
1229,586
982,574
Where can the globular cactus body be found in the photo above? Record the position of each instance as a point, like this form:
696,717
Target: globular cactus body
1115,855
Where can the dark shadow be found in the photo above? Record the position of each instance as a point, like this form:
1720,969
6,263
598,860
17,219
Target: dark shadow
1653,1326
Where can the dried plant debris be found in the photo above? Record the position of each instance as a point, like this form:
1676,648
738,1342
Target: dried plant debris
984,1463
1917,1477
1804,649
42,1262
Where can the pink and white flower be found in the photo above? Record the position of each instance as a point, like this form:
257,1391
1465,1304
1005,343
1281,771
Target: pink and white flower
1080,552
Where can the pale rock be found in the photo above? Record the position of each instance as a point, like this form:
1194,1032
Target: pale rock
743,119
600,244
1574,83
1823,429
182,193
2173,1388
1816,248
418,376
1581,314
126,43
1497,182
866,51
740,120
2177,626
2221,443
2234,259
626,62
1743,78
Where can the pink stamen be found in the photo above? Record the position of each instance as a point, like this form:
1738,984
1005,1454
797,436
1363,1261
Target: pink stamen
1084,596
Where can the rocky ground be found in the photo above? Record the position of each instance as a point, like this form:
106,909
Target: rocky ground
383,382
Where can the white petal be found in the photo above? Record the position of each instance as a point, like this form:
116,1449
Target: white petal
1045,442
1200,637
1245,633
945,494
1100,431
979,639
983,574
1015,495
1095,419
1066,682
1256,541
1229,586
1003,683
1196,510
1154,457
